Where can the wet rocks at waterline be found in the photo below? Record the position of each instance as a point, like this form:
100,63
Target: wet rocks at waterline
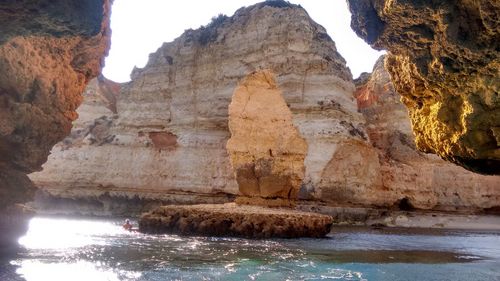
234,220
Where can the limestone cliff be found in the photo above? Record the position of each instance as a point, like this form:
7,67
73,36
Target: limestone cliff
444,61
163,136
168,137
412,179
49,50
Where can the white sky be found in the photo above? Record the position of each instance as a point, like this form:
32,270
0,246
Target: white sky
140,27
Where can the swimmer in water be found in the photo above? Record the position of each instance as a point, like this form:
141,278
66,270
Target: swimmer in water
127,225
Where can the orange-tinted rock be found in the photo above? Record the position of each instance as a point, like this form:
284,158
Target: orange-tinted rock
42,76
163,140
49,50
266,150
443,59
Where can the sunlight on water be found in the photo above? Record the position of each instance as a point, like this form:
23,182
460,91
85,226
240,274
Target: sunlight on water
47,233
95,250
63,239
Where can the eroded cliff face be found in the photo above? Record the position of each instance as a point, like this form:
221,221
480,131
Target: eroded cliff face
49,50
43,73
163,135
168,137
412,179
266,150
444,61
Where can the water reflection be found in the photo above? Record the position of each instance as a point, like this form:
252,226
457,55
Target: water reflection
50,233
35,270
76,249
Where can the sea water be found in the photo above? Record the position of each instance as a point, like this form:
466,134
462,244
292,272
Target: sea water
95,249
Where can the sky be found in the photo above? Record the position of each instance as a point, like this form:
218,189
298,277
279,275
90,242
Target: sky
140,27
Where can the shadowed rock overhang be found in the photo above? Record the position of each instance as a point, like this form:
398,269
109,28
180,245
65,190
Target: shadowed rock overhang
49,50
443,60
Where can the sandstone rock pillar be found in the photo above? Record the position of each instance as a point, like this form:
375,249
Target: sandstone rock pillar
266,150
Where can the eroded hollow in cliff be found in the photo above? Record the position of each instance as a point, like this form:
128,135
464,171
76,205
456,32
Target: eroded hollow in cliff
404,204
266,150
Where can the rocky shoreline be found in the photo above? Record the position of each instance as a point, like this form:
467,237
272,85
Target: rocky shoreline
391,218
233,220
133,207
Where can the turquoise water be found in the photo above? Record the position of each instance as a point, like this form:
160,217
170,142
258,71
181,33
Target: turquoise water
89,249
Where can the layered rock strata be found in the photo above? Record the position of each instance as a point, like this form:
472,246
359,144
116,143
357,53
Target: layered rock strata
170,129
49,50
162,137
235,221
85,157
266,150
412,179
444,61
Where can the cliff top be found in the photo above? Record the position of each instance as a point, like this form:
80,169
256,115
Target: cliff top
252,19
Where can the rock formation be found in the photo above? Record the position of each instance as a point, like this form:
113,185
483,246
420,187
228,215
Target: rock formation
49,50
412,179
444,61
93,168
168,137
235,221
266,150
163,137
